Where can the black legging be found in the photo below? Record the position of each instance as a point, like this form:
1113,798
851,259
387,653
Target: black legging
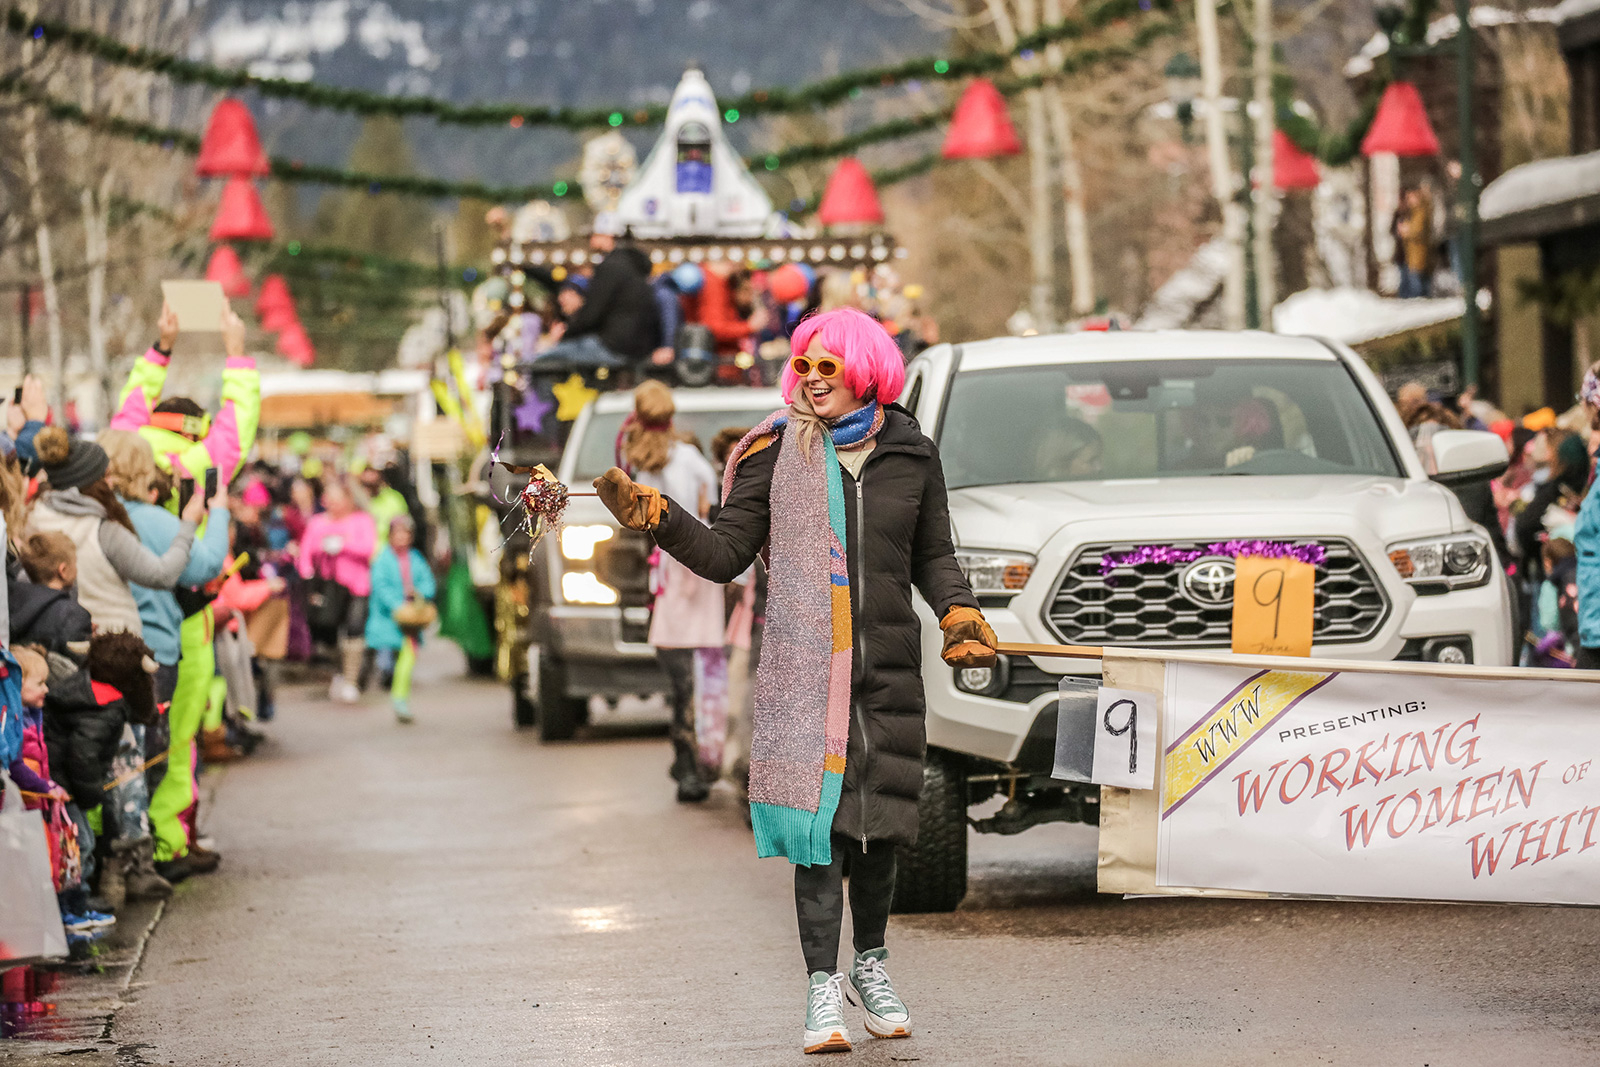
819,900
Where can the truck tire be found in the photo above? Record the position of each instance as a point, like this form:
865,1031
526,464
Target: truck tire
524,713
932,874
558,713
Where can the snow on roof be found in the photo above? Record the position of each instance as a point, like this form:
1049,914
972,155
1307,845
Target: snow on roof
1354,316
1541,183
1444,28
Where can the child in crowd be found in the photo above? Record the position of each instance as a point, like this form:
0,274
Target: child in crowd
43,610
402,586
1555,625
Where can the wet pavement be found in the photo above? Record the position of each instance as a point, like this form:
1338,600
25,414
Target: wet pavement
456,893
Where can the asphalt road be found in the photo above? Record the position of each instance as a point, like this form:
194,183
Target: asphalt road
455,893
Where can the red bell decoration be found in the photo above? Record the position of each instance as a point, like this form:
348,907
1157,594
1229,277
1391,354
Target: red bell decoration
278,318
1401,125
1292,166
274,303
225,267
230,146
240,216
850,196
295,346
981,126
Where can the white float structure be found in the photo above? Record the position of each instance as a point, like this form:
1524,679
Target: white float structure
693,184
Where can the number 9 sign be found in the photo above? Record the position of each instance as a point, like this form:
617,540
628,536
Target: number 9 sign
1125,739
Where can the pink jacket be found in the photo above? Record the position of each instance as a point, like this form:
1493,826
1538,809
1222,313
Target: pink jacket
351,564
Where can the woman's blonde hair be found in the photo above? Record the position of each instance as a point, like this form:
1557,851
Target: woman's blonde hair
131,469
14,504
647,442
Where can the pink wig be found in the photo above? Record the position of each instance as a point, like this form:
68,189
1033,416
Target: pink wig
873,365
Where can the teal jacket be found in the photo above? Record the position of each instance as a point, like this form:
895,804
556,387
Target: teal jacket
389,592
1586,538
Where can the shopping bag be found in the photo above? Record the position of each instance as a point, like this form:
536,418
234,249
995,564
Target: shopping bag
711,707
30,921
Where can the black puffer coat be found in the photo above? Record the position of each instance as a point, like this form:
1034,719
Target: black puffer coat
620,306
897,521
81,731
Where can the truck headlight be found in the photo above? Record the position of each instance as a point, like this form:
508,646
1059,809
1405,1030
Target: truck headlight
992,573
577,542
583,587
1459,561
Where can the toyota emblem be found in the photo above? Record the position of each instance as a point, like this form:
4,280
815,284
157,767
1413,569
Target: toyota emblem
1209,582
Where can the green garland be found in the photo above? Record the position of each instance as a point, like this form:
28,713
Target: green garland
296,171
774,100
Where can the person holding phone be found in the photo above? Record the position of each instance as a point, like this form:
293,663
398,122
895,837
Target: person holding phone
133,474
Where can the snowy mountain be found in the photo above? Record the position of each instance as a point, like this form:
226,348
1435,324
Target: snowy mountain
582,52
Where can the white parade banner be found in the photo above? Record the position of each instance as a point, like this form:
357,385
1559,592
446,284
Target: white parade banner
1379,784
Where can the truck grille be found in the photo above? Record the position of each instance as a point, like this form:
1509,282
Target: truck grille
1144,605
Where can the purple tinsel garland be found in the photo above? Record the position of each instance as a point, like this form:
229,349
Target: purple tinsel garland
1312,554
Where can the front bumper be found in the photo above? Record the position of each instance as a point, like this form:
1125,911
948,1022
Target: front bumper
997,729
579,633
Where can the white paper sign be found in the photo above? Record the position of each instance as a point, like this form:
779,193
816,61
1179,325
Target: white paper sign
1125,738
1370,784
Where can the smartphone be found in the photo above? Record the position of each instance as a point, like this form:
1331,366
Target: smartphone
16,397
185,493
211,484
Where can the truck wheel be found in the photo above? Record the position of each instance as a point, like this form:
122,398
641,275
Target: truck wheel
524,712
557,713
932,874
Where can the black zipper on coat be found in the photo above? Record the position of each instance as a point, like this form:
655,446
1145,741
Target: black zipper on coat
860,635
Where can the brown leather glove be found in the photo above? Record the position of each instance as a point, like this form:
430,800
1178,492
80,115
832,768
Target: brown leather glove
638,507
968,640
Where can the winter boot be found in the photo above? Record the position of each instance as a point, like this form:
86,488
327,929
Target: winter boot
203,860
140,878
113,885
692,788
684,761
214,747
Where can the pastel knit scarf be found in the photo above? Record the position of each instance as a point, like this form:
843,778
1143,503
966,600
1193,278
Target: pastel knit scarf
801,727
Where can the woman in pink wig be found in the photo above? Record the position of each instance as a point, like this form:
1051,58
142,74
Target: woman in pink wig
848,497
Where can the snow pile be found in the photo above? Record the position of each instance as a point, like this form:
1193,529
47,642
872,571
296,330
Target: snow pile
1178,301
1540,183
1354,316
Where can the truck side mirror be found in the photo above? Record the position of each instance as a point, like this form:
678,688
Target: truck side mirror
1465,456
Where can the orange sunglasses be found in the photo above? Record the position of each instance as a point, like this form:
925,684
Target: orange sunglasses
827,366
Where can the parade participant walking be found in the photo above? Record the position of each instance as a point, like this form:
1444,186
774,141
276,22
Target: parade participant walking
402,587
336,551
849,497
688,617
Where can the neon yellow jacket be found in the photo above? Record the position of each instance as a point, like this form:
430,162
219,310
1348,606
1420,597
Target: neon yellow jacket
233,429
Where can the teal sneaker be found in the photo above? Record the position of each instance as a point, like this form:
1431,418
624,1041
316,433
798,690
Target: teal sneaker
886,1014
825,1029
402,711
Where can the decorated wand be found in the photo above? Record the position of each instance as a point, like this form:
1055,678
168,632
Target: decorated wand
543,500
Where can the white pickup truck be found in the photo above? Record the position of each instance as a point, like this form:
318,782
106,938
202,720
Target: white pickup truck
1065,455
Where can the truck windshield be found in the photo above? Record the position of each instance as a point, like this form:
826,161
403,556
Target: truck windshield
597,450
1168,418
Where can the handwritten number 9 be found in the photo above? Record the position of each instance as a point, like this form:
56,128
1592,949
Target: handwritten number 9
1275,601
1130,728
